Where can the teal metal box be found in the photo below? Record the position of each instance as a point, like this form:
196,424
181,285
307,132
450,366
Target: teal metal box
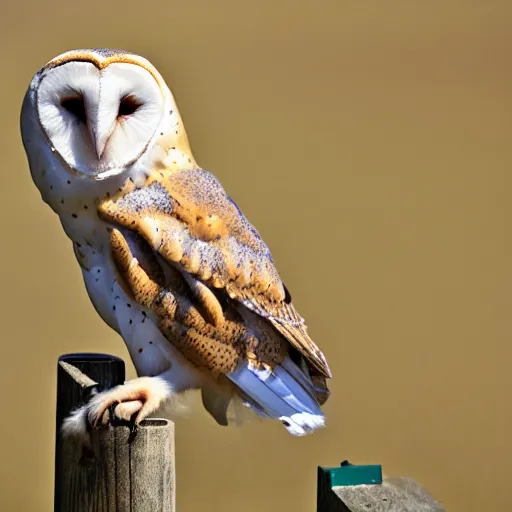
348,474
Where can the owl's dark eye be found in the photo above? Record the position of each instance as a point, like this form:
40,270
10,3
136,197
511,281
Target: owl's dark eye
75,105
128,106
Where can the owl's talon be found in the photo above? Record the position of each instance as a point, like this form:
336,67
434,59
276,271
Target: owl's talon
134,428
112,417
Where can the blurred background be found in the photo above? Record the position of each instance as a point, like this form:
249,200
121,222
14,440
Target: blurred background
369,143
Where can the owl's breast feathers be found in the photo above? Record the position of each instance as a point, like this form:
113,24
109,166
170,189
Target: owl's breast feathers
189,220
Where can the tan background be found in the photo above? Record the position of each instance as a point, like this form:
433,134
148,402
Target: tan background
369,142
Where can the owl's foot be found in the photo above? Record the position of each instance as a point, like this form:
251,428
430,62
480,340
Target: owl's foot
139,397
131,402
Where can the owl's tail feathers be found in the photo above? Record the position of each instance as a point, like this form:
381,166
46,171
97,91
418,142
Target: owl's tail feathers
286,393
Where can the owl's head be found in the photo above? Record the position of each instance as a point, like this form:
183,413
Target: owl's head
100,110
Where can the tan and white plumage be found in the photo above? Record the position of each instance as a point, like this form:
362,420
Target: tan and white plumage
168,258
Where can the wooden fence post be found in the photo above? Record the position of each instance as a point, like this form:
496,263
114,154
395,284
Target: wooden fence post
117,474
342,490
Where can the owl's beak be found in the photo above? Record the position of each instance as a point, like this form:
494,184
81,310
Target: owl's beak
99,142
101,125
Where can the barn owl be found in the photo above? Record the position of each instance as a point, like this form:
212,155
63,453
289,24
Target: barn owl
168,259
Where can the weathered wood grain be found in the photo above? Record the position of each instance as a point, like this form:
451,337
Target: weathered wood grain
115,473
398,494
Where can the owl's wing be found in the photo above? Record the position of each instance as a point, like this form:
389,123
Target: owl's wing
188,219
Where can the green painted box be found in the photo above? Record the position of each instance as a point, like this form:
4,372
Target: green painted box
349,474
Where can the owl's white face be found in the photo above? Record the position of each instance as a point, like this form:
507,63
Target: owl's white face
99,120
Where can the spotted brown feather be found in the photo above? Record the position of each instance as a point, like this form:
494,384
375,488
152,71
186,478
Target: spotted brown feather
216,348
188,218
